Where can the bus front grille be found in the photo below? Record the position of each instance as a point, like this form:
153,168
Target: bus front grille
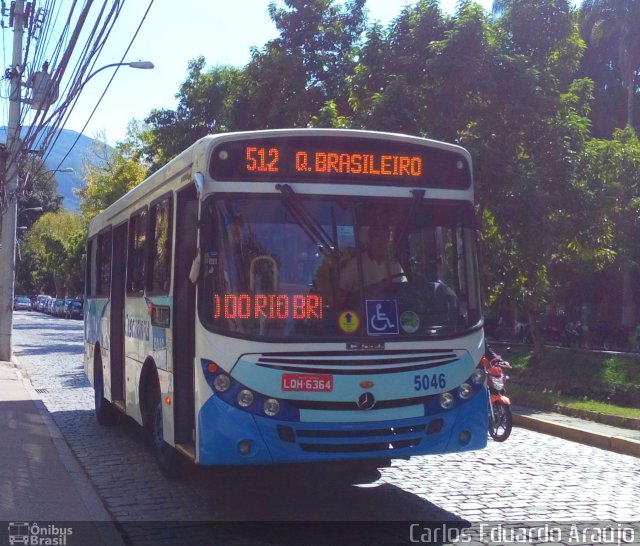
353,440
360,448
355,363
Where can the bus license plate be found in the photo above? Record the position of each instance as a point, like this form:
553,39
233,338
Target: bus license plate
307,382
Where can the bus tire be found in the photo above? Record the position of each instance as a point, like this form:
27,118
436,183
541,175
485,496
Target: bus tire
171,463
106,413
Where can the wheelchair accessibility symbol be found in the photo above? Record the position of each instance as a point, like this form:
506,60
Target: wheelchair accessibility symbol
382,317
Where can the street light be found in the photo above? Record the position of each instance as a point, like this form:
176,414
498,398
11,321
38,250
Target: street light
77,88
143,65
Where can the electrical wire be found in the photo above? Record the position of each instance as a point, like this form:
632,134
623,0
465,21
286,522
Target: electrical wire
41,131
71,100
83,63
33,126
39,123
45,129
108,84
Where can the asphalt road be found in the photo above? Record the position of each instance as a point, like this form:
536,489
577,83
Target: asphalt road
528,481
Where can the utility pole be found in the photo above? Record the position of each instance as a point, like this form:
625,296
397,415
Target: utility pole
8,232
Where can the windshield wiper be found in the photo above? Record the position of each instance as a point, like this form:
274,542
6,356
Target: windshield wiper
306,220
418,196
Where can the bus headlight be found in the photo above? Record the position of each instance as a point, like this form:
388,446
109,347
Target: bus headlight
465,391
477,376
222,382
245,398
446,400
271,407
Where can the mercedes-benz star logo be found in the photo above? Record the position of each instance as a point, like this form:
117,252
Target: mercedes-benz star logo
366,401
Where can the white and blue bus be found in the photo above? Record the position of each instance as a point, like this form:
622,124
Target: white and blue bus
290,296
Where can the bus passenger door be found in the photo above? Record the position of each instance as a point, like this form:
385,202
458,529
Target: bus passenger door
184,309
116,327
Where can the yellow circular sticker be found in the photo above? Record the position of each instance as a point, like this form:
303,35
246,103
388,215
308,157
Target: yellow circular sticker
348,322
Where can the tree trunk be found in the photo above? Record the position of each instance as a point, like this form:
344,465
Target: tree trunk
628,303
59,284
537,336
630,96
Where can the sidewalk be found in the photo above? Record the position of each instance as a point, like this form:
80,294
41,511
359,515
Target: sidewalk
620,440
41,482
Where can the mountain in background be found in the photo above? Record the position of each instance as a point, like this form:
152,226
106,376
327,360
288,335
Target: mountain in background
76,160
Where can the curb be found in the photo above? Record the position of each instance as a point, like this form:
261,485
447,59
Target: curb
612,420
617,444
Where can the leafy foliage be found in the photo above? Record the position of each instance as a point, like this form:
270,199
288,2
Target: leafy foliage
612,29
55,250
110,174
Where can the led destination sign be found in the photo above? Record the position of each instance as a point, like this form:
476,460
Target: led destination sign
265,160
344,159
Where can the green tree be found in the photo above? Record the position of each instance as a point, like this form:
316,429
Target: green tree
607,23
458,69
110,173
390,86
207,102
612,28
296,79
318,38
38,190
609,177
55,248
526,148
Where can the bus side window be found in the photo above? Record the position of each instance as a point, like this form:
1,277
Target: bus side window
103,264
160,248
136,255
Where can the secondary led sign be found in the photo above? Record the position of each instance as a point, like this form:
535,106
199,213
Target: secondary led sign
267,306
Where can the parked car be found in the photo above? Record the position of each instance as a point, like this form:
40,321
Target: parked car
74,309
21,303
43,305
58,308
39,301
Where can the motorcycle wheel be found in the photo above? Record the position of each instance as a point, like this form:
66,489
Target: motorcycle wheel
502,423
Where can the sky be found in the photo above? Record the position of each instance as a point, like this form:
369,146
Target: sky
223,31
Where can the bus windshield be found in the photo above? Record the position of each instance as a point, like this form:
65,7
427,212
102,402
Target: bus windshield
282,267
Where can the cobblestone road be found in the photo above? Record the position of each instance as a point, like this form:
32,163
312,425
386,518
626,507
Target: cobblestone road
531,478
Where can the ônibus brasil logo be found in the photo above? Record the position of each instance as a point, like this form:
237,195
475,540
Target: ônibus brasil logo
38,535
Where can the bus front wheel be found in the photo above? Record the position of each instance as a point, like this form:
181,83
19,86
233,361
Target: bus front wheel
170,462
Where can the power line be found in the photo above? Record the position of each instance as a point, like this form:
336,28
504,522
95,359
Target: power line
85,65
83,37
108,84
39,124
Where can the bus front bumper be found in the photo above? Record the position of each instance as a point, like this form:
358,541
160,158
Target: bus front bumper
230,436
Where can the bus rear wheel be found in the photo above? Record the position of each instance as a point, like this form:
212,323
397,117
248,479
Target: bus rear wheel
106,413
172,465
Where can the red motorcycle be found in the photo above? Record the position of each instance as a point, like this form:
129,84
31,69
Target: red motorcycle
500,417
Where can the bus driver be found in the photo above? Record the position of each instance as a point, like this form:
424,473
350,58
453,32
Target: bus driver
377,268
